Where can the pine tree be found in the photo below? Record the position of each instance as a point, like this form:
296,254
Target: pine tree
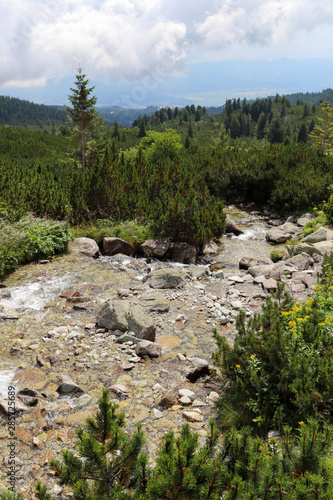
116,131
109,462
83,112
142,131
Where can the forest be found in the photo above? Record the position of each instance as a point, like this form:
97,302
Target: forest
170,174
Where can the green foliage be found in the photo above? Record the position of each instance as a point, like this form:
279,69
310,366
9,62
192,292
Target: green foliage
322,134
328,209
29,239
83,112
132,231
278,371
108,461
184,471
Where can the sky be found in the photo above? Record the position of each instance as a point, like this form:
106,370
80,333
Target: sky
139,52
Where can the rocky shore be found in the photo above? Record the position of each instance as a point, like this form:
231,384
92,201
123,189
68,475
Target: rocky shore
141,327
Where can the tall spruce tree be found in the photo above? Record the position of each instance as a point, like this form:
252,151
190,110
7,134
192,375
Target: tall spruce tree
83,113
322,134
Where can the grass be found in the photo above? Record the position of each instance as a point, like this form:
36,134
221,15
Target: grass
131,231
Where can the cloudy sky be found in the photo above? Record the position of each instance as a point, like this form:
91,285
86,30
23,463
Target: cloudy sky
138,51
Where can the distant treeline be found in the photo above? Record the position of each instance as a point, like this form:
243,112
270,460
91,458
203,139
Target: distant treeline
20,113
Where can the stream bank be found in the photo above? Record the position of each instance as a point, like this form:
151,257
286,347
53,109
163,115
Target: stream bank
52,335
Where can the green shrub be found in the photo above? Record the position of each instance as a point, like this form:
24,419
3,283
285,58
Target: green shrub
30,239
278,371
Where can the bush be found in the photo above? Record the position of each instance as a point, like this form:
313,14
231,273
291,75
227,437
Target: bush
279,370
29,239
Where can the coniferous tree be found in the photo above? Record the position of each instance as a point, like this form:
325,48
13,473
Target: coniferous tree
116,131
142,131
83,112
322,134
111,460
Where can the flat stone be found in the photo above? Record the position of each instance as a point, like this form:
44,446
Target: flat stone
187,393
154,302
269,284
185,401
156,414
316,237
247,262
193,416
68,386
236,279
324,247
166,278
264,270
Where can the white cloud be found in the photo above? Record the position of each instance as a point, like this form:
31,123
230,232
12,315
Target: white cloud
43,39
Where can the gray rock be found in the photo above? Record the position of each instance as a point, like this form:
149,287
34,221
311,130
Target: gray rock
112,246
324,247
126,315
182,252
154,302
231,227
126,337
269,284
217,266
302,221
4,406
299,261
146,348
303,248
185,401
197,271
319,235
85,246
157,247
265,270
166,278
247,262
69,387
186,392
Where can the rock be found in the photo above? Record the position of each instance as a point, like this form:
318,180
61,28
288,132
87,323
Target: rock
213,396
210,248
299,261
236,279
269,284
112,246
120,390
7,408
329,234
156,414
126,315
166,278
5,293
182,252
324,247
303,248
68,386
28,400
298,287
187,393
193,416
168,399
302,221
201,368
319,235
265,270
154,302
185,401
127,337
247,262
217,266
231,227
155,247
31,377
85,246
197,271
146,348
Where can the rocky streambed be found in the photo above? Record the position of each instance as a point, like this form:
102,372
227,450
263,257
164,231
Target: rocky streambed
59,357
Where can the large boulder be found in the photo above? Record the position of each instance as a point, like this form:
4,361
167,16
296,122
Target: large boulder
182,252
303,248
282,233
84,246
324,247
302,221
166,278
146,348
247,262
112,246
126,315
157,247
231,227
300,261
265,270
319,235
